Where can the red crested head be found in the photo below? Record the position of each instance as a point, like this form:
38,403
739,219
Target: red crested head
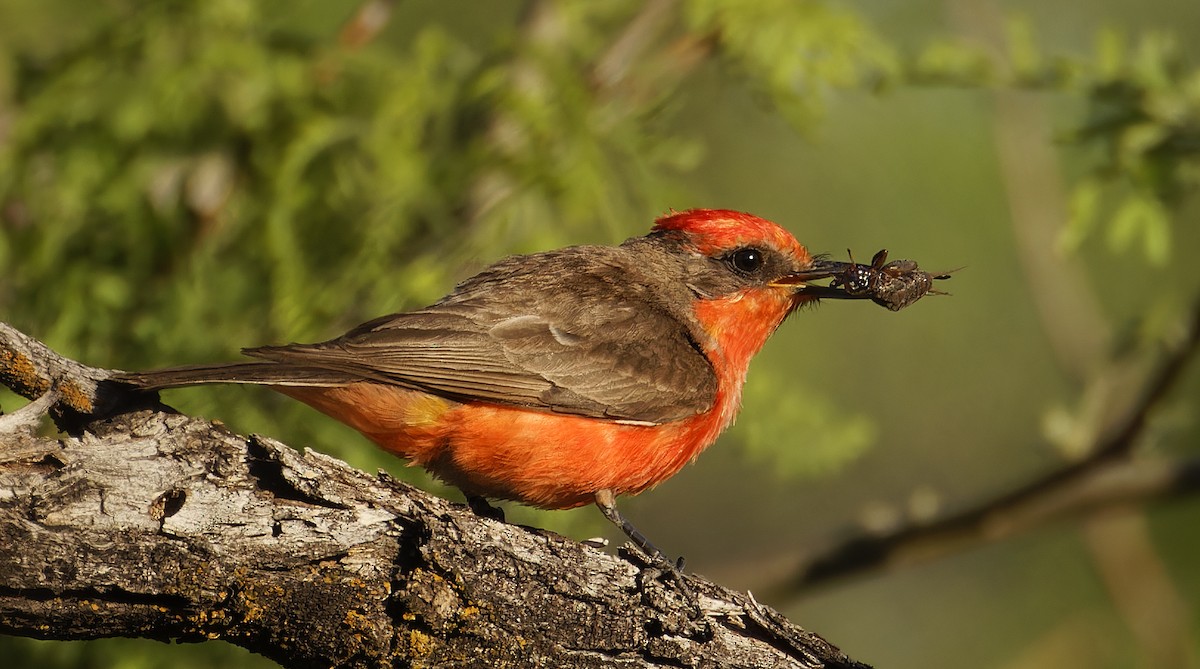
713,230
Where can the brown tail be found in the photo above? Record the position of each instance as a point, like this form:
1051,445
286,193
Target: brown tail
260,373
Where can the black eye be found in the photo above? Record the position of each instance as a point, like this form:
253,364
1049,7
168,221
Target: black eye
746,261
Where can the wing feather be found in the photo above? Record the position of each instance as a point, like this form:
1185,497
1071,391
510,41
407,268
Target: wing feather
586,342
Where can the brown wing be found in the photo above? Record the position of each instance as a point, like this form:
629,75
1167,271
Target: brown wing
525,360
591,344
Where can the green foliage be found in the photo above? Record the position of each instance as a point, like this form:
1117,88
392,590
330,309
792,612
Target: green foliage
1143,120
559,149
164,180
796,52
951,62
1141,127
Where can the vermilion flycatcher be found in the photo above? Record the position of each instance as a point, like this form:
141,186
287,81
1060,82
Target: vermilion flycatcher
559,378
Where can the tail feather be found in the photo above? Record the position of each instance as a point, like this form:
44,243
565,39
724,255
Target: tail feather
258,373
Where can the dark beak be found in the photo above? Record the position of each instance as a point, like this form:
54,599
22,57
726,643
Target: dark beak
823,268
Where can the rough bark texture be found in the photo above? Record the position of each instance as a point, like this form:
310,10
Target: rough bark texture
152,524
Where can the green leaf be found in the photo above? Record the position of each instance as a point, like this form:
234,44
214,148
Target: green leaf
1141,217
1084,212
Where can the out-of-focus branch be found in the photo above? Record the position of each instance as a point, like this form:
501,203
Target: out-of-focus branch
368,21
622,56
1106,477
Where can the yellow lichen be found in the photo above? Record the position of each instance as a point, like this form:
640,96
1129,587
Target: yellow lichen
24,378
420,643
356,620
75,397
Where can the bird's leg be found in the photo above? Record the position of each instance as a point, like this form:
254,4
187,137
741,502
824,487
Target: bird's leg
607,503
483,509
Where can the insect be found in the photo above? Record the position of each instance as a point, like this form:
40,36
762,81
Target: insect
894,285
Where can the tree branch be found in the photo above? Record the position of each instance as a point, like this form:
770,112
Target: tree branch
152,524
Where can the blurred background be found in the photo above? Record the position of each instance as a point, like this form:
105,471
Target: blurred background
182,178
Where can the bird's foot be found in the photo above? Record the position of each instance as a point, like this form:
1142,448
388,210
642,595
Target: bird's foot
482,508
654,559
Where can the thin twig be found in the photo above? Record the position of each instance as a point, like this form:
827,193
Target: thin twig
644,30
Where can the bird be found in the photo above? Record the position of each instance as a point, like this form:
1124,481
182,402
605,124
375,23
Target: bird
561,378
